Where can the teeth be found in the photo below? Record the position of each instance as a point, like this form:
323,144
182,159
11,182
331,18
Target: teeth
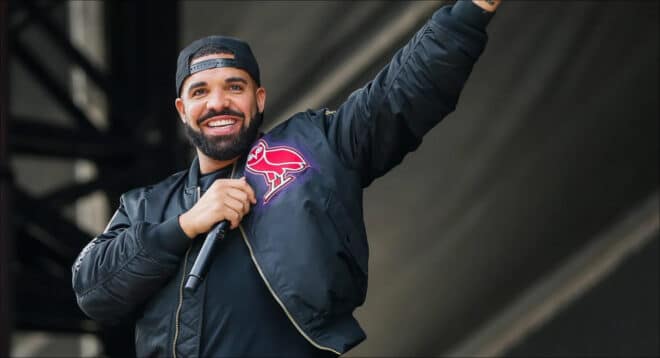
221,123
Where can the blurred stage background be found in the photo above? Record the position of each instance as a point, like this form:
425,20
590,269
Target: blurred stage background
525,225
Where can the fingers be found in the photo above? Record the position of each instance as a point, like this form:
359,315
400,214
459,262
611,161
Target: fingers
248,189
240,184
234,210
230,199
239,196
232,215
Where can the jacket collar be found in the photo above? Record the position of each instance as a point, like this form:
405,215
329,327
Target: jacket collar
193,173
190,190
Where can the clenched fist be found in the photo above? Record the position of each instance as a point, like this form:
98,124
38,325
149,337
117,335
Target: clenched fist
226,199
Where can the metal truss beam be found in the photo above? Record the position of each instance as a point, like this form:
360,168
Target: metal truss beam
36,137
61,40
68,238
68,194
59,93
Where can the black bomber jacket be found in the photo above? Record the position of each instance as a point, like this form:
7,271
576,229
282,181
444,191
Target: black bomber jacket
308,174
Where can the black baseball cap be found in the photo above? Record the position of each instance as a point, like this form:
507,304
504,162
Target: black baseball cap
243,58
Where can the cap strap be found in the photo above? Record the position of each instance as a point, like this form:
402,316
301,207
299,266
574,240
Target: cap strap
214,63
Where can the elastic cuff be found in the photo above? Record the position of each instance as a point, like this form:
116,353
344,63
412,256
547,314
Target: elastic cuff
471,14
167,236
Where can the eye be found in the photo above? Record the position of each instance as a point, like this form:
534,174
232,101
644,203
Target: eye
197,92
235,87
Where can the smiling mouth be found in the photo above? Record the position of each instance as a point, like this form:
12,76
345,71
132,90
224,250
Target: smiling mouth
221,123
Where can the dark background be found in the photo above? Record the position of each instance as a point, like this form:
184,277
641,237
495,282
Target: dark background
541,190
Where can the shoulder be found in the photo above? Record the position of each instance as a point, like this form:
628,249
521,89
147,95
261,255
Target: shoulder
303,120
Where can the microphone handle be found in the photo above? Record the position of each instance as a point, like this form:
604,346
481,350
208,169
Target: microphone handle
198,269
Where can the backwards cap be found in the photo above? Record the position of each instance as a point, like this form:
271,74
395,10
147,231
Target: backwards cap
243,58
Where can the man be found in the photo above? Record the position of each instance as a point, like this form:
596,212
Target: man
293,267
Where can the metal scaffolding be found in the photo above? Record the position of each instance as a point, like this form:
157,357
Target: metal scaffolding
139,145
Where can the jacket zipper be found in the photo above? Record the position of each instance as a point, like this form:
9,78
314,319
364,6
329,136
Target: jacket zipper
183,279
279,301
178,308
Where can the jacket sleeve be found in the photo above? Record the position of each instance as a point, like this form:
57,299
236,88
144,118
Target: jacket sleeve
382,121
121,268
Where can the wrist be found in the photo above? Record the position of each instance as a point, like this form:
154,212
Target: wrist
467,12
488,5
186,227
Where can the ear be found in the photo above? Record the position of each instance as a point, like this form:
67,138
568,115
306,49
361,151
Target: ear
261,99
181,108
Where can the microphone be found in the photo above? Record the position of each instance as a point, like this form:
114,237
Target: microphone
198,269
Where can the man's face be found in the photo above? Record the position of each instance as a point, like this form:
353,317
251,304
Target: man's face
220,108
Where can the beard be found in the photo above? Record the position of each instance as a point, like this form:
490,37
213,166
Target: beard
225,147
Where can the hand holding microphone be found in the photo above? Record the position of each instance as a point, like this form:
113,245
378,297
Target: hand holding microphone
225,199
223,205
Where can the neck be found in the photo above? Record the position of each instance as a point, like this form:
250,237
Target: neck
208,164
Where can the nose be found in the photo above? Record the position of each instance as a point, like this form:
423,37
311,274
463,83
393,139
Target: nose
217,100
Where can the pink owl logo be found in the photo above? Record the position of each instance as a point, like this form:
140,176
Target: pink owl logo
276,165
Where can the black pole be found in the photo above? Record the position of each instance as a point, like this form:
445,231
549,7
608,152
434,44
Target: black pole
5,244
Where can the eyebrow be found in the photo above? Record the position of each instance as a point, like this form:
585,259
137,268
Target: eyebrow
195,85
236,79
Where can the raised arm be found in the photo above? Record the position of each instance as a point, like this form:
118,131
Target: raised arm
121,268
387,118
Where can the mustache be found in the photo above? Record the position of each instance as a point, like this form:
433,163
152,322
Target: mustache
224,112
